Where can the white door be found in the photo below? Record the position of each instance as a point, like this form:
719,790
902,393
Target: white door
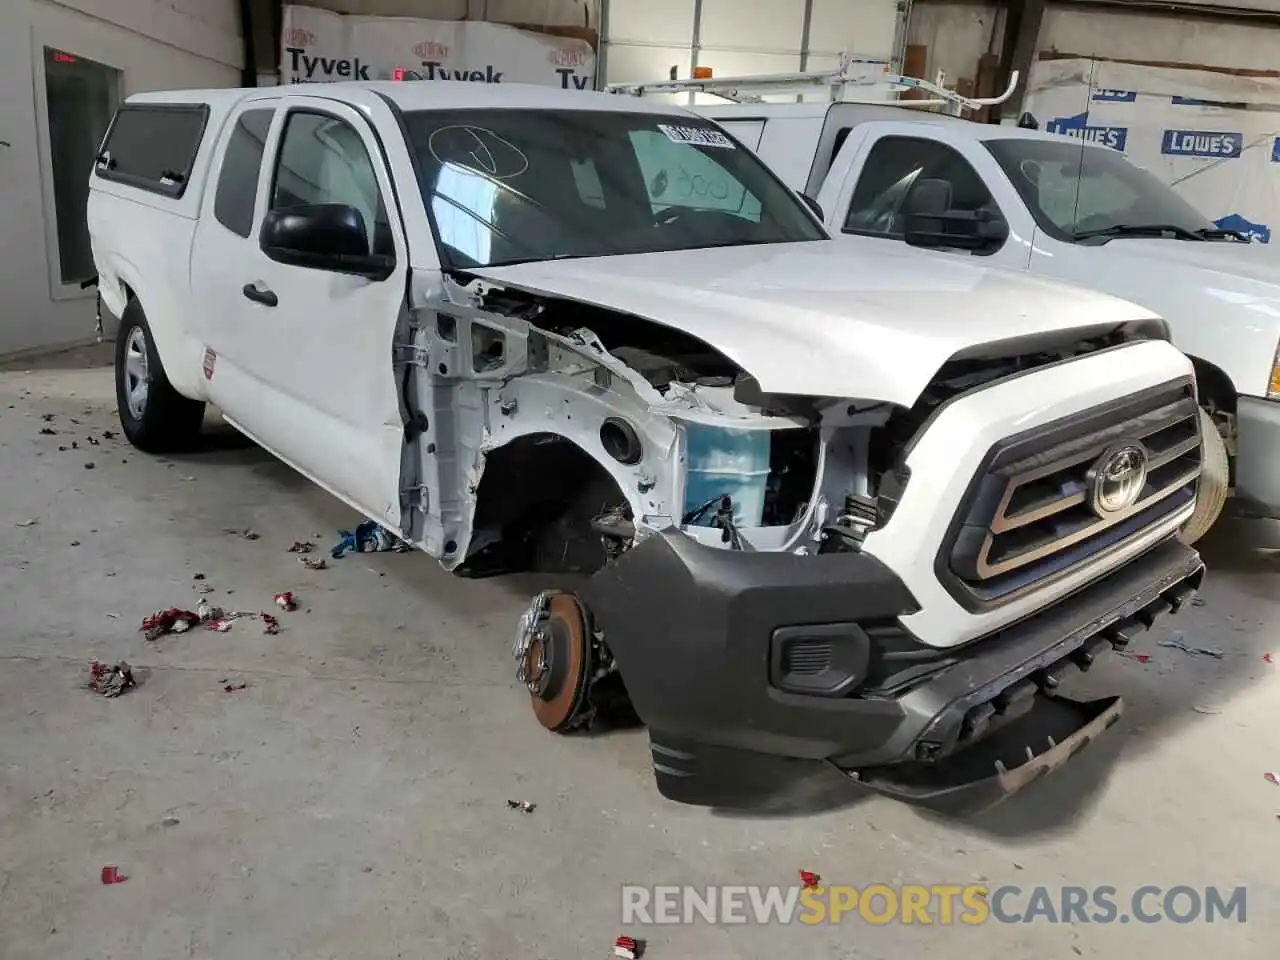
303,356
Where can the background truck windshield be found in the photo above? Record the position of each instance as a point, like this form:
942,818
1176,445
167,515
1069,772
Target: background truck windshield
1112,191
510,186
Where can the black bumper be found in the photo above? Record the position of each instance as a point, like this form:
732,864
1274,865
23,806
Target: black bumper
702,635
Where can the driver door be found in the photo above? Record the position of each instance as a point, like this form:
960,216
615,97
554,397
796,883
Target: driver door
304,355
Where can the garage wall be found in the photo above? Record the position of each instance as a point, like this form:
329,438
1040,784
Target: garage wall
643,39
955,35
153,44
1122,35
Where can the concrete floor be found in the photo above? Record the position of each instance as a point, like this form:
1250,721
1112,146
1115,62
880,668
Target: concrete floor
351,801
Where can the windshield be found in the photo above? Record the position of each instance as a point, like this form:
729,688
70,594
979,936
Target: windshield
1112,191
512,186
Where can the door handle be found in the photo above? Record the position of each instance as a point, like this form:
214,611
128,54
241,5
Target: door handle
260,295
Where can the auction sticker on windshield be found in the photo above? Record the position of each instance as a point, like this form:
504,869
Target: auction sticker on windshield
698,136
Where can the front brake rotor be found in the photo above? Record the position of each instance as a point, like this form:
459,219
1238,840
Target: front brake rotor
556,665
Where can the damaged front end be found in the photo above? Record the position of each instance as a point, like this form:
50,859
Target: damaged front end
715,547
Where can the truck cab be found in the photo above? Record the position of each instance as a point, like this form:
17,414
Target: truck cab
1064,208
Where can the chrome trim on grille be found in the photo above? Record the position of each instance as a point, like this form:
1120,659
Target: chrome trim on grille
1038,518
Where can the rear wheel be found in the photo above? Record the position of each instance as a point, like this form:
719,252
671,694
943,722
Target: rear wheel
153,415
1215,482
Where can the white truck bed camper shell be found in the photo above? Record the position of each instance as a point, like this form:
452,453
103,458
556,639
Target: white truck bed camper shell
799,508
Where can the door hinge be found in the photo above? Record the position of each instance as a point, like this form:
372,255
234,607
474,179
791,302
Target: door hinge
416,498
411,353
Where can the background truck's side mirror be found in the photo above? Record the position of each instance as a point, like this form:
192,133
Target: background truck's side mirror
323,236
931,221
977,230
813,205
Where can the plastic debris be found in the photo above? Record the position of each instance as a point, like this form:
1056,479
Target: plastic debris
89,465
110,680
302,546
628,947
285,601
1208,711
314,563
48,432
112,875
1177,643
170,821
197,576
245,534
233,687
809,879
93,441
1271,778
368,537
173,620
108,435
207,611
26,523
47,417
221,626
524,806
1140,657
75,445
271,624
1266,657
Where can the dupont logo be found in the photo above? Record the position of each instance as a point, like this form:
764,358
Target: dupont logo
298,37
1202,143
1078,126
567,57
1115,96
432,50
1258,232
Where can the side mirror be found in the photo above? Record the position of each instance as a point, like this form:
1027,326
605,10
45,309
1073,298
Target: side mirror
976,230
323,236
813,205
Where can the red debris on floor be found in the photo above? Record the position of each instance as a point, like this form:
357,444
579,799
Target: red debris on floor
110,680
285,601
628,947
1266,658
1271,778
112,875
173,620
272,624
809,879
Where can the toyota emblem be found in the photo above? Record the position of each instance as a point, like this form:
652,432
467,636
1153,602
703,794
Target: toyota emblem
1117,478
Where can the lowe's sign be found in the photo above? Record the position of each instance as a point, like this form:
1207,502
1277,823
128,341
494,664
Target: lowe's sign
1115,96
1202,143
1078,126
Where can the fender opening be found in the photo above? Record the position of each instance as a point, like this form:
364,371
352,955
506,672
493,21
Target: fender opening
545,506
536,511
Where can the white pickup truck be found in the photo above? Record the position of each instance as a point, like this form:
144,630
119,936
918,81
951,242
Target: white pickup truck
1067,208
803,506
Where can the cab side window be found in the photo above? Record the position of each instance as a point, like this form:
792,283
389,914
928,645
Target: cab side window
906,175
233,204
323,160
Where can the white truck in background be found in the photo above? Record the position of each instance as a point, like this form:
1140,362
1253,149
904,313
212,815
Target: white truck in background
801,507
888,176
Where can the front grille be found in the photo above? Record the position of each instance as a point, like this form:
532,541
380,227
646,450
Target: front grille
1032,513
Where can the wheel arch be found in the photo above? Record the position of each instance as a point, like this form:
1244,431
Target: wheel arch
538,479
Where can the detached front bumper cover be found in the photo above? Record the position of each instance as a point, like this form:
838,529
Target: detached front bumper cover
983,723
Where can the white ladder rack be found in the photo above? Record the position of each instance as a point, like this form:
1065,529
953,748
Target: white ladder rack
752,89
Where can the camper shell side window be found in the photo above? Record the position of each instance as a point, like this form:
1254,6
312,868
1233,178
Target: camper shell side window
153,146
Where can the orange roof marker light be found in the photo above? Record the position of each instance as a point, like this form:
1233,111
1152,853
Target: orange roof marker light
702,73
